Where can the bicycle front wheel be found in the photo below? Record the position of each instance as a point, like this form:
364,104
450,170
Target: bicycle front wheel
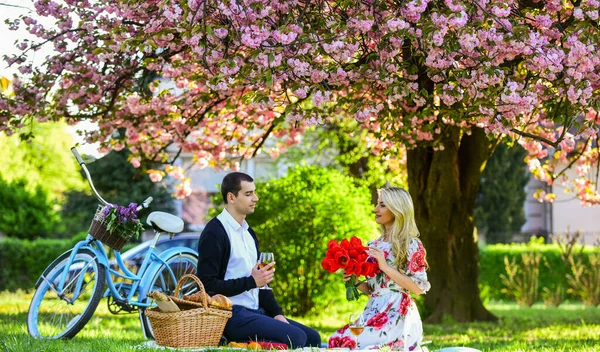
165,280
54,313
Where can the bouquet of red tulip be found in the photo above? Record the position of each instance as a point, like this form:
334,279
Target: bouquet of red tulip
353,258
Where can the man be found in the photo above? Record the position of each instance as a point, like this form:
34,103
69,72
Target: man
228,265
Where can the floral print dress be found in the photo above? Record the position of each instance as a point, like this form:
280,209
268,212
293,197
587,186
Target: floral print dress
391,316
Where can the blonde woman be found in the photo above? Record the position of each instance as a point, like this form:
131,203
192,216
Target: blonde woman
391,317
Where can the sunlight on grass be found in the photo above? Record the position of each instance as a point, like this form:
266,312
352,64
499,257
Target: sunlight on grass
572,327
537,328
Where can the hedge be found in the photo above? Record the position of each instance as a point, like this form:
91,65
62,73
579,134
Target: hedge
23,261
491,266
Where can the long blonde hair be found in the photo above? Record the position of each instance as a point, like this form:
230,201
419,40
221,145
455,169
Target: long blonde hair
404,227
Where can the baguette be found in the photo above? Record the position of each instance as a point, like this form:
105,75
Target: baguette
164,303
158,296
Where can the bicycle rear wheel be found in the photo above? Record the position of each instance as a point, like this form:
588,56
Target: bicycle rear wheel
55,315
165,280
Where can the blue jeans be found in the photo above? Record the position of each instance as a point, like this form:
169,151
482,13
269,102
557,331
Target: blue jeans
253,324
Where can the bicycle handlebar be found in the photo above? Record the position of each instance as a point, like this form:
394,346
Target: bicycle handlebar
77,156
144,204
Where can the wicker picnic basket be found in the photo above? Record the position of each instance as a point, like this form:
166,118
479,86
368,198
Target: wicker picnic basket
196,325
99,231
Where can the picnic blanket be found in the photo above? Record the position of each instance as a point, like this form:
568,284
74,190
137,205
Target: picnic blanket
153,344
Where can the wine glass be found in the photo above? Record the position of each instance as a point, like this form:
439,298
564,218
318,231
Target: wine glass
356,325
265,259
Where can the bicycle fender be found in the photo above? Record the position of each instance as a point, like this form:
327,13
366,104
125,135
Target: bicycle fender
156,265
101,260
51,265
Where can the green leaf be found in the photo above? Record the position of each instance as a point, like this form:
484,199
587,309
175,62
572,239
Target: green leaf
269,78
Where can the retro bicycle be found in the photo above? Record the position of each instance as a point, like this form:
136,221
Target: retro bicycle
69,290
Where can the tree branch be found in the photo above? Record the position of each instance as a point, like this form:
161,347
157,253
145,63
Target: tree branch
263,139
33,47
176,156
538,138
16,6
554,177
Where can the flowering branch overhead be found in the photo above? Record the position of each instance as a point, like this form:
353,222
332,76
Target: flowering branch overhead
230,70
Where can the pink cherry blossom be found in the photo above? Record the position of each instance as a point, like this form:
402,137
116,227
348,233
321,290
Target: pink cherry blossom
214,79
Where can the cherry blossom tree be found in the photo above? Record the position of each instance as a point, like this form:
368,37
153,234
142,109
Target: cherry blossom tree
442,81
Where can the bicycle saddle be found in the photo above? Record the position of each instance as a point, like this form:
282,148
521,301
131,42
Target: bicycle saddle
165,222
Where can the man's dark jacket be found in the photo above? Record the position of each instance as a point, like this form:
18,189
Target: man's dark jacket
214,249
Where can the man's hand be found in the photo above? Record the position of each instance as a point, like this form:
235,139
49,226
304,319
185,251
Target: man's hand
281,318
263,276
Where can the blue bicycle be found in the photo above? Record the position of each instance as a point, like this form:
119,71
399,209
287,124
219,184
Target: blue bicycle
69,290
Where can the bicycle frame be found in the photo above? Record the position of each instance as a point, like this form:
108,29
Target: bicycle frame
98,249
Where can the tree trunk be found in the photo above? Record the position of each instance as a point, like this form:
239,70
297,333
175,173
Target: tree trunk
444,185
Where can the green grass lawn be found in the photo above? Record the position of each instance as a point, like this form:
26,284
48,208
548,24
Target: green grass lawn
571,327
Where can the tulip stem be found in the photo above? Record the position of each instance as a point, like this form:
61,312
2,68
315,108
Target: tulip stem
352,293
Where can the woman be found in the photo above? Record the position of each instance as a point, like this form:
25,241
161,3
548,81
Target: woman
391,316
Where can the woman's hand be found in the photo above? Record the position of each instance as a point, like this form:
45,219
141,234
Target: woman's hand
379,256
348,277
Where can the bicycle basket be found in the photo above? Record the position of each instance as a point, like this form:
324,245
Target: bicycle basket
98,230
196,325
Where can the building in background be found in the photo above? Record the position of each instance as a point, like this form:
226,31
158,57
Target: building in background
206,182
568,215
565,214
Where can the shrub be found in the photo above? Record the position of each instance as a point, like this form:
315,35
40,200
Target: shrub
584,279
24,213
552,296
295,218
499,208
521,279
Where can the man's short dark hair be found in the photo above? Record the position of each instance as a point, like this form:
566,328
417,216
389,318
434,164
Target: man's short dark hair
233,183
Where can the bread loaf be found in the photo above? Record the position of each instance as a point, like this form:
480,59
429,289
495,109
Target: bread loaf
196,297
220,301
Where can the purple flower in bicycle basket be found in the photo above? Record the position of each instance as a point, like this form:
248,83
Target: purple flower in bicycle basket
123,220
106,210
132,210
123,214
